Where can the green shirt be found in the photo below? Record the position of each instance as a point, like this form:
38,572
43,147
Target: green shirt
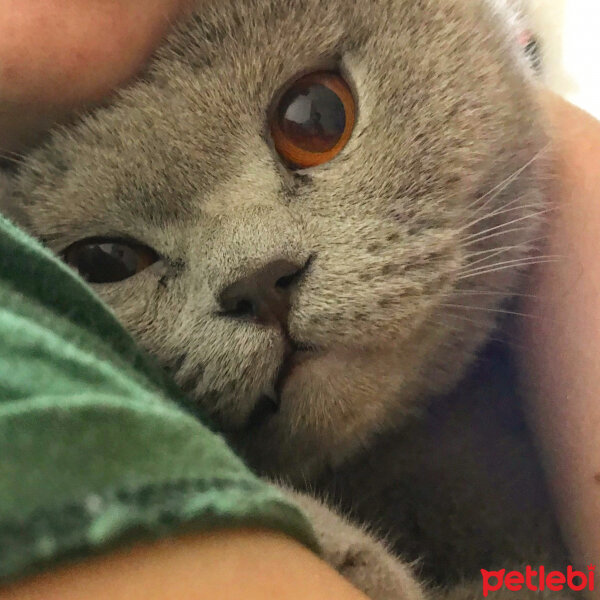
97,447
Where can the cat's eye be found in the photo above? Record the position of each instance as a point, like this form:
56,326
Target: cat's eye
108,260
313,120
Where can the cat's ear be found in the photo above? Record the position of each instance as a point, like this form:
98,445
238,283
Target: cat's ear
517,13
10,206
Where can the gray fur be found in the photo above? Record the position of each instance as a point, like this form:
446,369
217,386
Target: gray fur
358,555
421,195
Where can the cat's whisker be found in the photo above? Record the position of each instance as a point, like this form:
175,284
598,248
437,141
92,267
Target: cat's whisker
500,233
498,189
534,215
490,251
472,269
499,212
493,252
490,195
524,246
525,263
482,209
489,254
485,309
491,293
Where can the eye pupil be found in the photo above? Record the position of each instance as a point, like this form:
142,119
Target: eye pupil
108,261
314,118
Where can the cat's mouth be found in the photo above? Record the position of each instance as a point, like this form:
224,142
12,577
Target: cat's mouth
268,404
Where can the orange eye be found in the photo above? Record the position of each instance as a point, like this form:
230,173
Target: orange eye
313,120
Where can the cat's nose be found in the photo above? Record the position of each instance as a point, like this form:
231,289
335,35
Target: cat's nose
263,296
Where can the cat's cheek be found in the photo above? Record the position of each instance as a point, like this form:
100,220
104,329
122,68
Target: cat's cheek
137,303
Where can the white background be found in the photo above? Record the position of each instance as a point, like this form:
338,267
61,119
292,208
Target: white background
570,31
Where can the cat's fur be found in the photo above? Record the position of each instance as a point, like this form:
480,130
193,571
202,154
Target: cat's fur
422,212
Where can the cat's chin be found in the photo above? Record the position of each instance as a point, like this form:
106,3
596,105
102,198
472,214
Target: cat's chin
331,403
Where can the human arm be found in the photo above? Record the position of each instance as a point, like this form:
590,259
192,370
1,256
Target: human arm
561,340
244,564
60,56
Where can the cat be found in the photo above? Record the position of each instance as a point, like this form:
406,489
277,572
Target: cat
313,214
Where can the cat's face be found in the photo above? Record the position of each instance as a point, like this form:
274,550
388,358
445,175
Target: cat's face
367,255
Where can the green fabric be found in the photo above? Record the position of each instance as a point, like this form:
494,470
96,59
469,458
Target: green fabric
97,447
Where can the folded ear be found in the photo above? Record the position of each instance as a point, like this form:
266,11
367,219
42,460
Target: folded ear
517,13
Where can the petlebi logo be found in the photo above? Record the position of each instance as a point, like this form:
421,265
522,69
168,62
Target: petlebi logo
537,580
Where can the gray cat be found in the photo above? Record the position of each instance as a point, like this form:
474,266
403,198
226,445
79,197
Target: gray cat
313,214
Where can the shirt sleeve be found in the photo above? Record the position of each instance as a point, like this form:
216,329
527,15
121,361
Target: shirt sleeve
97,447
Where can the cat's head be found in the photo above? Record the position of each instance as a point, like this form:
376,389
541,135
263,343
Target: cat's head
305,308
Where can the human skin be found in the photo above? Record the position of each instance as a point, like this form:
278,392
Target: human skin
561,339
60,55
226,565
57,56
